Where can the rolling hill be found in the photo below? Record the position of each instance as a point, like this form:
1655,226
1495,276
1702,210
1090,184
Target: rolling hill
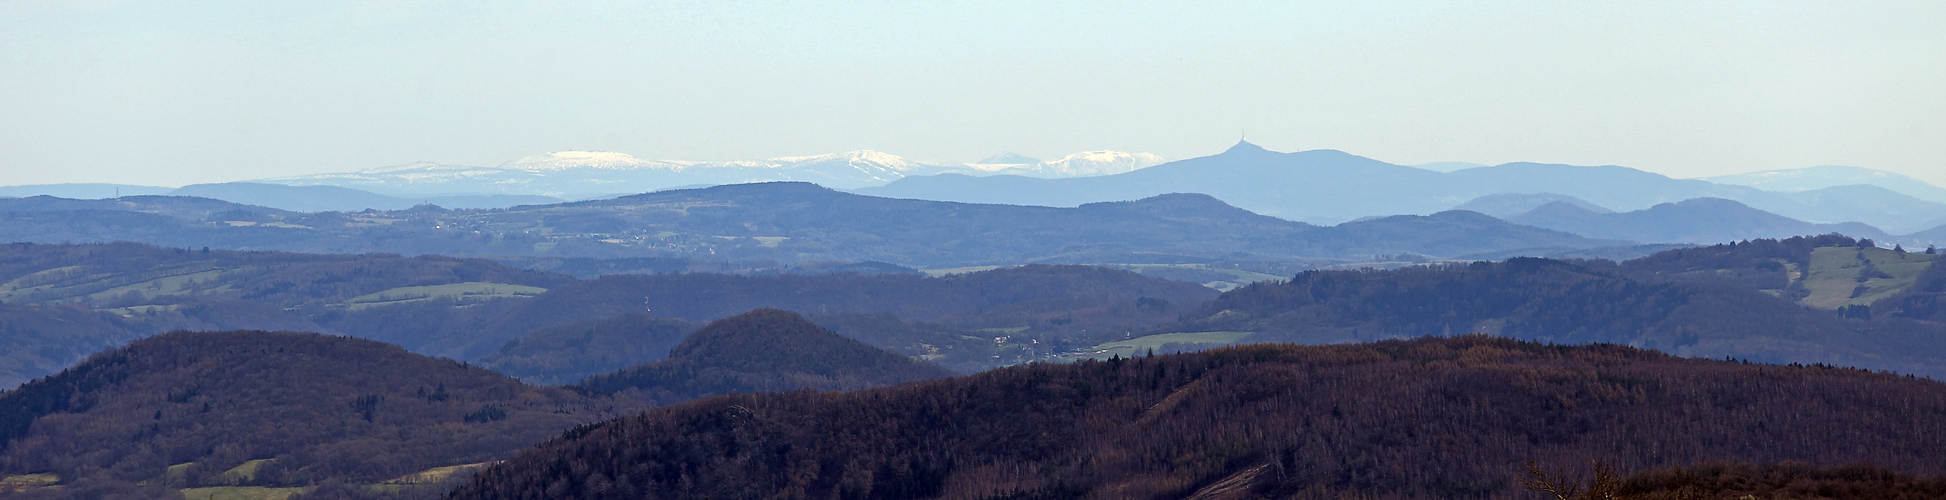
39,340
765,350
1428,418
1046,307
85,191
1697,221
785,223
343,199
565,354
1507,205
1562,302
59,303
193,409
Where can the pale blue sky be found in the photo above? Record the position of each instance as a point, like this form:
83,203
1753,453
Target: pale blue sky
140,92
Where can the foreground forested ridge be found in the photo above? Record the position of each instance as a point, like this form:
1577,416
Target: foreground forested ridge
316,407
1425,418
1790,480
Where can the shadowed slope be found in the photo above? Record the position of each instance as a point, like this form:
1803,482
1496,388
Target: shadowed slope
765,350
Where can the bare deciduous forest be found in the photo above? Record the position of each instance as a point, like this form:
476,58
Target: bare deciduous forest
1425,418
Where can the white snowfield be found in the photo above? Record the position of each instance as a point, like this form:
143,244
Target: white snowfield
586,174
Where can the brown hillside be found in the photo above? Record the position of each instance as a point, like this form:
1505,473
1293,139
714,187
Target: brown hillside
319,407
766,350
1426,418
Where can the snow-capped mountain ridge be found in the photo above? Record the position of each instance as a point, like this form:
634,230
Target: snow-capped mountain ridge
1091,163
604,160
580,174
865,156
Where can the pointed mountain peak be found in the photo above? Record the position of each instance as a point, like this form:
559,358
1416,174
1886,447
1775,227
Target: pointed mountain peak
1245,147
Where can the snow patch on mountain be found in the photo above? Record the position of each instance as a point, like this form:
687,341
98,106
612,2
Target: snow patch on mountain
603,160
1083,164
580,174
1100,163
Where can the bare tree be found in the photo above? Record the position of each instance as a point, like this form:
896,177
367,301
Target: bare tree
1606,485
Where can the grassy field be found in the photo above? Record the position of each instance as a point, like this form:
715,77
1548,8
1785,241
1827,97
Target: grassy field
133,311
437,474
471,290
1833,276
175,474
1219,278
26,482
240,493
245,472
957,270
1141,345
425,478
68,284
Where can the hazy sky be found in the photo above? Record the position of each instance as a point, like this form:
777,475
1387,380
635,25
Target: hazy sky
138,92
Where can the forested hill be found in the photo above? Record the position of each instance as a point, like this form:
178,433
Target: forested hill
60,303
1426,418
765,350
131,275
565,354
291,409
1563,302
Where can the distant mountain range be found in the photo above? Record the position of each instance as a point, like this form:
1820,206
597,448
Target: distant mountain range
1326,186
1814,178
785,222
1698,221
279,196
1507,205
1319,187
590,174
581,175
338,199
